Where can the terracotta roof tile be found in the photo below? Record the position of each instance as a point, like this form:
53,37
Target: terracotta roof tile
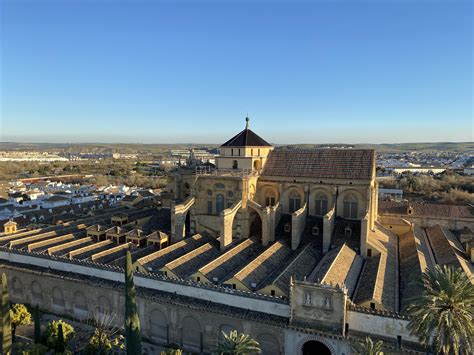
426,209
321,163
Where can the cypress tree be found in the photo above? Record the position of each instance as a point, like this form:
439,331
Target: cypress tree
6,321
60,344
132,321
37,321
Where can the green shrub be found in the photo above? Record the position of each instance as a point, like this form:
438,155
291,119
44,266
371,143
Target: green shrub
52,332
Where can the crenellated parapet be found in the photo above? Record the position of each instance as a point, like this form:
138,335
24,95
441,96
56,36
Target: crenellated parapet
321,305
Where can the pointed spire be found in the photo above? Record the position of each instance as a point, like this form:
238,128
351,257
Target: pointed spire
247,119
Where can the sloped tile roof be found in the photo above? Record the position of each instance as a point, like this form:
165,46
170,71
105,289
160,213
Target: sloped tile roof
442,250
368,280
231,260
426,209
259,268
300,267
357,164
410,268
385,242
153,262
188,263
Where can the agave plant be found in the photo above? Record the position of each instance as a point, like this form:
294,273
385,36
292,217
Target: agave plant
443,315
237,344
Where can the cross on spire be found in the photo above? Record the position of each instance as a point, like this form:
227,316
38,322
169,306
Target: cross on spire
247,119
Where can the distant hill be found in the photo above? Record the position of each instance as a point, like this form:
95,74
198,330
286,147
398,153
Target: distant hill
160,148
399,147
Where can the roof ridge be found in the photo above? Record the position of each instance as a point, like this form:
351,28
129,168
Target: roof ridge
295,259
343,247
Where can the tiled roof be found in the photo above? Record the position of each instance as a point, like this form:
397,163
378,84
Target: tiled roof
426,209
246,138
368,280
87,251
385,242
136,254
136,233
340,266
425,254
112,253
410,268
157,236
153,262
258,269
442,250
97,228
321,163
187,264
231,260
300,267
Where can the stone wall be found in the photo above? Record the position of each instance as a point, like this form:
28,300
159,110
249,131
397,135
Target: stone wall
214,293
163,320
378,324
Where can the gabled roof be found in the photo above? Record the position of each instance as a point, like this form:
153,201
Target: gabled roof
246,138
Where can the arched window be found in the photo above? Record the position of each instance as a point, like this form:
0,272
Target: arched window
219,203
17,287
58,298
80,301
191,335
36,293
270,199
294,202
321,204
350,206
158,326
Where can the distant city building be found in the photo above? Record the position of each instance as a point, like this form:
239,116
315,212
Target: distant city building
391,194
124,156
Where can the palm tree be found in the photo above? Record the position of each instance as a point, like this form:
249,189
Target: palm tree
237,344
443,315
369,347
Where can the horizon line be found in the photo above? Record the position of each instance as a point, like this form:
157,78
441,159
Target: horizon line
219,144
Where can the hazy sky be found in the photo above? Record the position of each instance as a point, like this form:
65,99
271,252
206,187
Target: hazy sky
189,71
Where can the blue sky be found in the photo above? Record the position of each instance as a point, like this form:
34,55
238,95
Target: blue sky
189,71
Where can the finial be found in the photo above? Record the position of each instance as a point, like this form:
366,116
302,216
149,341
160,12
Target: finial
247,119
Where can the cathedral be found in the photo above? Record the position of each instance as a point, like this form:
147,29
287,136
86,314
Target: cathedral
290,246
324,196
